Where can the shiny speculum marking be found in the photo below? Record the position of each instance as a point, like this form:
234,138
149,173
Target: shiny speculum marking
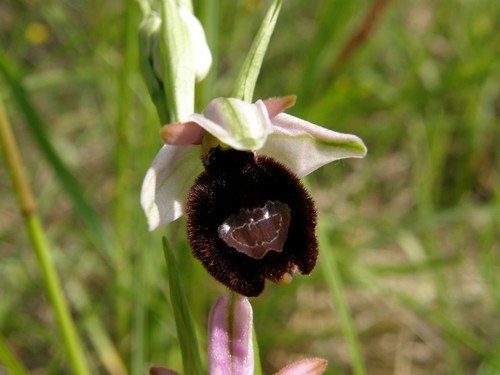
256,232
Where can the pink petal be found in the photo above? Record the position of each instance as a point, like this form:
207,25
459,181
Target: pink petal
309,366
182,134
230,346
275,106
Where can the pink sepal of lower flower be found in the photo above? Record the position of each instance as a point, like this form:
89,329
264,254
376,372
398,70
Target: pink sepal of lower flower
230,345
161,371
308,366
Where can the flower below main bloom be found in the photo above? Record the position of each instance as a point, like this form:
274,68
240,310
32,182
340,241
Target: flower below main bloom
230,342
249,217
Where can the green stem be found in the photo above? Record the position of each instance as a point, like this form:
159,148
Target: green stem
334,280
36,233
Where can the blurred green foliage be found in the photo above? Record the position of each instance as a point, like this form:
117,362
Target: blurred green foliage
414,227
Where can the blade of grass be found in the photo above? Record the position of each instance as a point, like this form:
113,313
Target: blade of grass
40,245
123,175
439,318
183,319
139,343
334,281
331,20
431,148
9,359
256,353
362,32
488,256
36,126
105,349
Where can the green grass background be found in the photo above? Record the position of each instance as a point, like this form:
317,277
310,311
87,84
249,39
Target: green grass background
413,229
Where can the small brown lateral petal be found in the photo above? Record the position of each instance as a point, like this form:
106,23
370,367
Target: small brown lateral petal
251,219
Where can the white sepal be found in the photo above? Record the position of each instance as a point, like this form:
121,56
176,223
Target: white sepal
167,183
238,124
201,53
304,147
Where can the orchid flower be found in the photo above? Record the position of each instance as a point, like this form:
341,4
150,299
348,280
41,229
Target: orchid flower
230,344
262,127
249,216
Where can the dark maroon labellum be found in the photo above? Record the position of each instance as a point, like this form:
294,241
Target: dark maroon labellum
255,232
251,219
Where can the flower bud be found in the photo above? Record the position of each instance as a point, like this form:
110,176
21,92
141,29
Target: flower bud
171,62
230,346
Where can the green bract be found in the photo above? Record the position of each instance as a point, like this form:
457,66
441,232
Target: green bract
245,84
173,55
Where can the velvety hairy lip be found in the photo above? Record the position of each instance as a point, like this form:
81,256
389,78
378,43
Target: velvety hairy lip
239,189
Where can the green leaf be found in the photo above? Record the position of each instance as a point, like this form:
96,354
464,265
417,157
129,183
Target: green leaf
245,84
256,353
183,318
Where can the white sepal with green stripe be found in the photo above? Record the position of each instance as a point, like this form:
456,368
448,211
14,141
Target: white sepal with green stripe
235,123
